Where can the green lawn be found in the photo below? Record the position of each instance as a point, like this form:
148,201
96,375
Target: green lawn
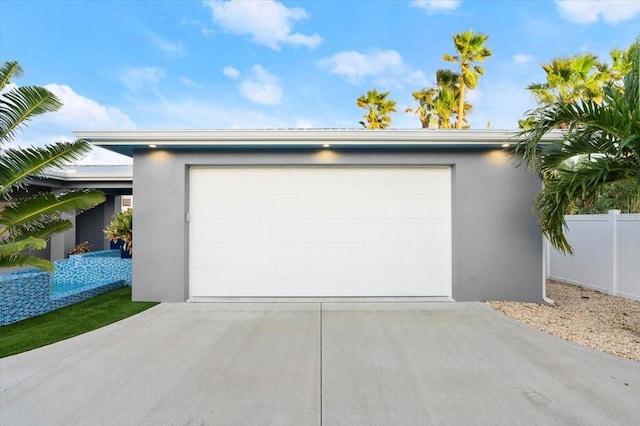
69,321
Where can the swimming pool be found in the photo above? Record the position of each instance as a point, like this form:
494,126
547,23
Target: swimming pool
31,292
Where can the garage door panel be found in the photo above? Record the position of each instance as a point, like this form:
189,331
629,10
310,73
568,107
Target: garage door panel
320,232
308,283
318,255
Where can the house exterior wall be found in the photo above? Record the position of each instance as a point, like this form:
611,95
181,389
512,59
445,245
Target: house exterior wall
90,224
63,242
497,245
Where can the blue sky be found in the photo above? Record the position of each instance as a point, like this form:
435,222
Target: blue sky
283,64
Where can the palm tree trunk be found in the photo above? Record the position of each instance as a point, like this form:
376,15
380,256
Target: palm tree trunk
463,88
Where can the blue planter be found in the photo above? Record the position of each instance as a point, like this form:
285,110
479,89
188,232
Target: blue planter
118,246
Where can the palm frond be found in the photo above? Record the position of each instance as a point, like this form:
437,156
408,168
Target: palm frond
565,186
32,209
378,109
10,247
14,260
19,105
18,165
9,70
43,228
601,146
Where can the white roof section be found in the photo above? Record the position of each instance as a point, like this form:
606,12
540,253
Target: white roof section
126,141
92,173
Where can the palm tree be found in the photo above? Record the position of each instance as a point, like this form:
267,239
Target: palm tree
581,77
601,145
379,108
448,100
570,79
470,49
426,106
436,105
621,63
27,223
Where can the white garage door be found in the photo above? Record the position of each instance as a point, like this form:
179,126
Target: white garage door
312,231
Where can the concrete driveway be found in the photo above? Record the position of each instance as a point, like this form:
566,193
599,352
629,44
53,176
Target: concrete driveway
317,363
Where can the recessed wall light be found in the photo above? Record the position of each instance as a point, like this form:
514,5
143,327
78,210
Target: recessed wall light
506,145
151,145
326,145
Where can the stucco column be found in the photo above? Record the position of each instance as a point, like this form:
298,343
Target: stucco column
62,243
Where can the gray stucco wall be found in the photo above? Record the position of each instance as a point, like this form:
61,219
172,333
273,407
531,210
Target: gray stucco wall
497,245
90,224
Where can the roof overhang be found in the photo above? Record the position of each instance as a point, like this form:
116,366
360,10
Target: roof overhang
127,141
71,174
113,178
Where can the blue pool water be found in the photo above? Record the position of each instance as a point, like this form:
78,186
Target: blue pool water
31,292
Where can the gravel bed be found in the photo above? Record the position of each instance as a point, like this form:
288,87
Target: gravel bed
606,323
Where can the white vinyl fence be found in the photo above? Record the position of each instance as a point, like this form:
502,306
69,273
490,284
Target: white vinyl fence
606,254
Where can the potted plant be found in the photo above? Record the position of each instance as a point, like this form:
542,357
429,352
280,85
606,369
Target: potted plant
120,231
81,248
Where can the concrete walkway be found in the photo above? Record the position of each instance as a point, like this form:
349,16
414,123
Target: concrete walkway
317,363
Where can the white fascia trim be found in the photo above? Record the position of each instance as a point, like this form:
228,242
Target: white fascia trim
98,178
301,137
68,176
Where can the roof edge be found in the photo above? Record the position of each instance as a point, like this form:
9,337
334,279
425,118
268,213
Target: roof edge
302,136
127,141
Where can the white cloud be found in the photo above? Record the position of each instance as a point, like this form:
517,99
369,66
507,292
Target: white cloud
590,11
205,113
8,87
190,22
79,112
268,22
188,82
231,72
39,135
435,6
103,156
522,58
415,77
142,78
172,49
475,97
489,104
261,87
195,23
303,123
207,32
384,66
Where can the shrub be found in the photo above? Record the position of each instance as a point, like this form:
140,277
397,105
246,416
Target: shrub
81,248
121,229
